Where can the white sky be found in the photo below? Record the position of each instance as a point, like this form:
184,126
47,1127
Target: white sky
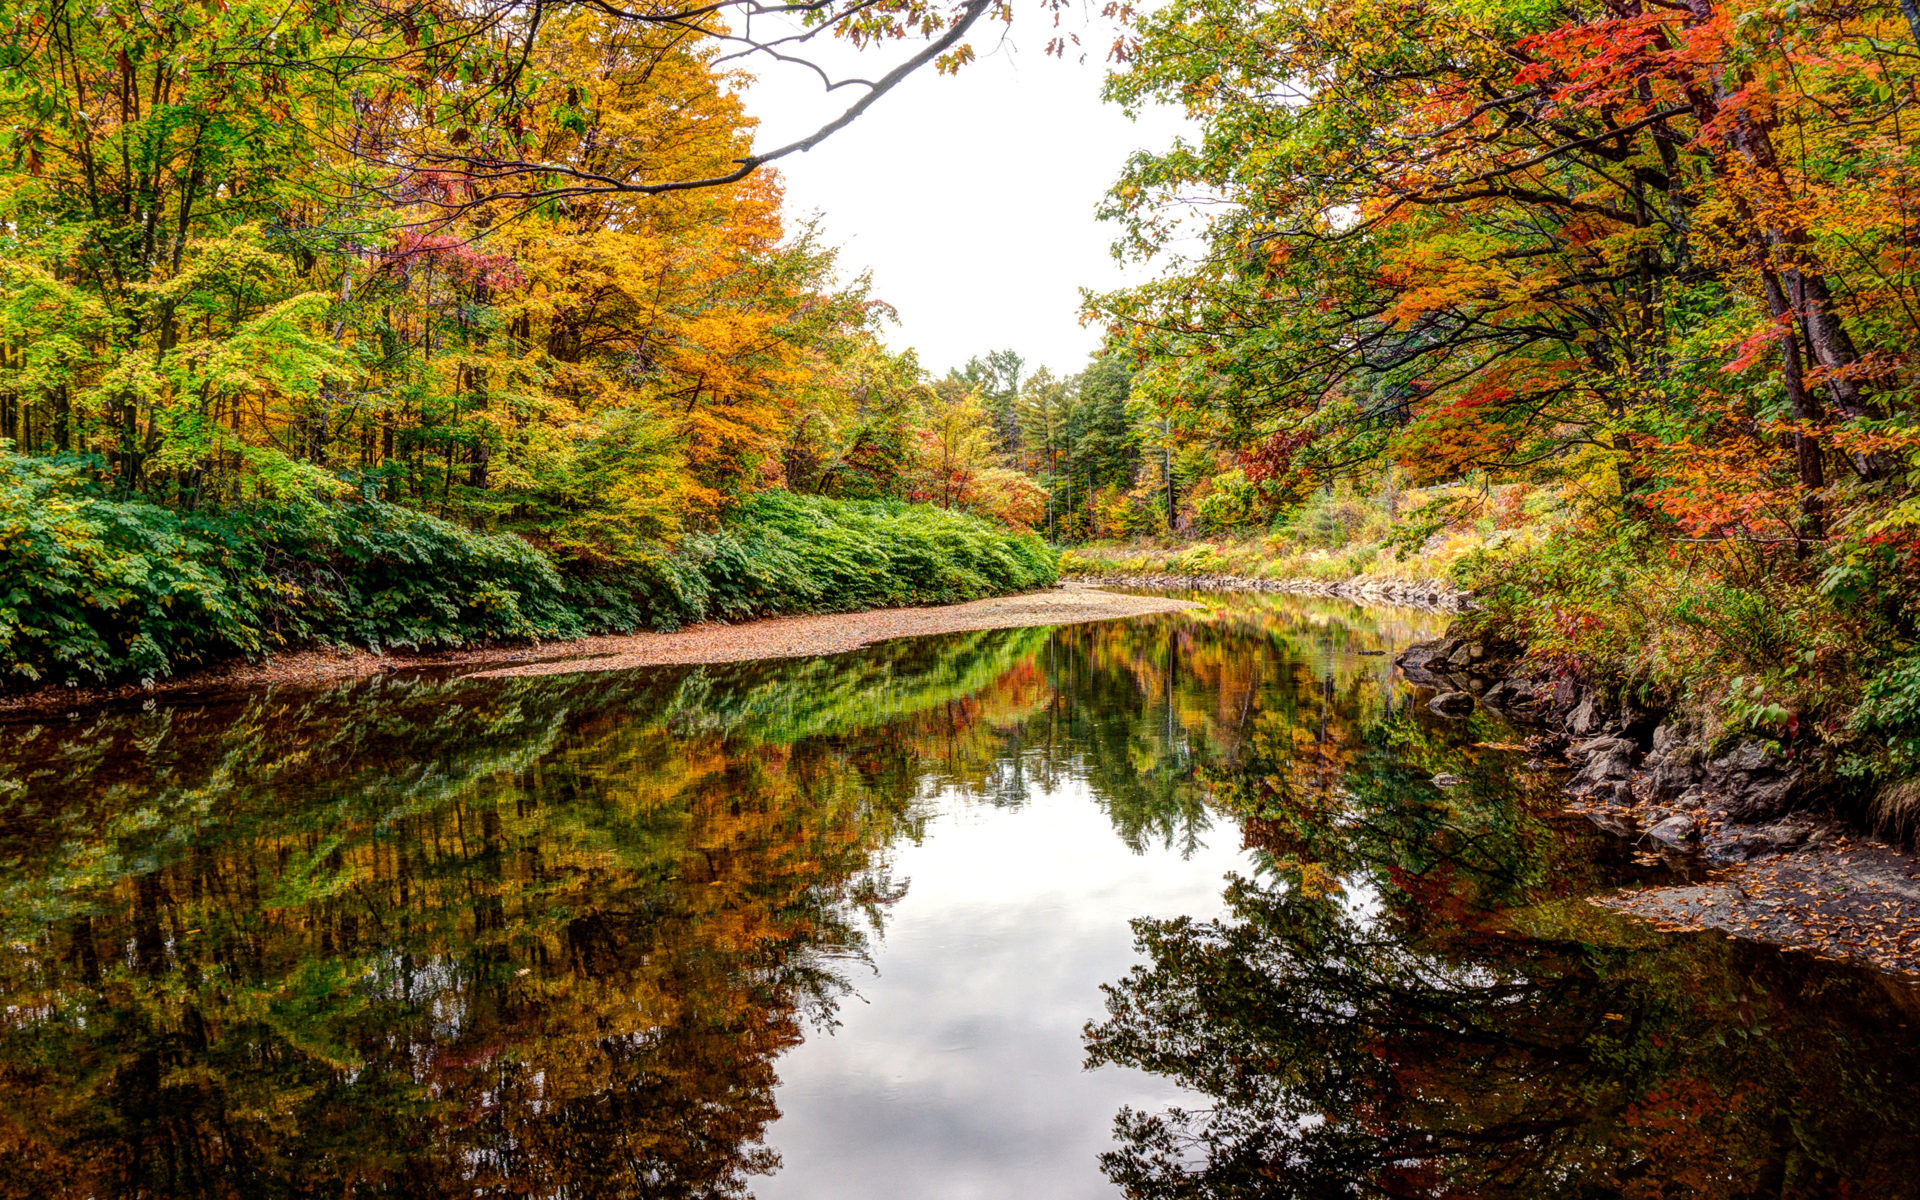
970,198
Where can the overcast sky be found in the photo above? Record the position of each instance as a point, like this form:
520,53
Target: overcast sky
970,198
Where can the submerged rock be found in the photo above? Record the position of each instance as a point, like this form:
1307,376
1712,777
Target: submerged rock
1451,704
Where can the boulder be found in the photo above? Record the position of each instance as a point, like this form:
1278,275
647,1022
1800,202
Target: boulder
1675,831
1751,784
1451,704
1675,770
1613,823
1666,736
1602,762
1589,716
1739,843
1515,695
1422,662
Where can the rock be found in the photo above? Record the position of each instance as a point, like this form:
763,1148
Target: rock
1666,736
1610,747
1589,716
1451,704
1739,843
1674,831
1421,664
1602,762
1461,656
1751,784
1613,823
1444,780
1744,849
1424,593
1677,769
1511,695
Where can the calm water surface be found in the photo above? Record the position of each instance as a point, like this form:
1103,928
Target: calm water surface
1158,908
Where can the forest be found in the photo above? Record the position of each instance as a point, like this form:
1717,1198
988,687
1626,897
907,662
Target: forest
414,324
419,324
1608,310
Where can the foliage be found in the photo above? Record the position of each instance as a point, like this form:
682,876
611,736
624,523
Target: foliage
98,587
785,553
1643,270
1330,535
387,330
102,588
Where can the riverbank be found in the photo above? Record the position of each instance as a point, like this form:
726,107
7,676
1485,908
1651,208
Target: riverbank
714,642
1431,595
97,590
1783,868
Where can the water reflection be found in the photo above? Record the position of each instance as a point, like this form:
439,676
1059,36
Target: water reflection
563,936
1411,999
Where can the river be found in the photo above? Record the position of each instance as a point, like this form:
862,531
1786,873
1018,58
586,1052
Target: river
1162,907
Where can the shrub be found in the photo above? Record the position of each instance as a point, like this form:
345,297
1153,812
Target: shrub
380,575
783,553
105,588
99,587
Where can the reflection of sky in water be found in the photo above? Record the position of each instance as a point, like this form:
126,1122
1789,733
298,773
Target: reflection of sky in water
439,937
957,1071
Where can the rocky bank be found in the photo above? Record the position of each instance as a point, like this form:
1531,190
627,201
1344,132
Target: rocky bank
1781,866
1432,595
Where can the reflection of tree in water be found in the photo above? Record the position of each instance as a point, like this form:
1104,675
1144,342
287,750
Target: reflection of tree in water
1156,715
415,937
549,936
1405,1006
538,936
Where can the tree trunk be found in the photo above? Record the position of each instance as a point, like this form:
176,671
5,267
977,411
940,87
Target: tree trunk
1806,410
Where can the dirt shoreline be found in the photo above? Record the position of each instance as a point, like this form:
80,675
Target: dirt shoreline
768,638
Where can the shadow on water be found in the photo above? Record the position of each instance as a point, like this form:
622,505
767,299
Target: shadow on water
427,937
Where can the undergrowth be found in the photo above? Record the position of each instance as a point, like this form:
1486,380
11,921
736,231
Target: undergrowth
1331,535
95,587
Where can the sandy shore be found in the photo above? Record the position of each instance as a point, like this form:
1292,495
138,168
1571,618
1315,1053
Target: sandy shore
832,633
775,637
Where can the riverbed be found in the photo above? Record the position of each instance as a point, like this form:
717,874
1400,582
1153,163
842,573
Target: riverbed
1169,904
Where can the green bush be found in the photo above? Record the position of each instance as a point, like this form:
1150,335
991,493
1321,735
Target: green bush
785,553
101,588
381,575
1567,598
1888,718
